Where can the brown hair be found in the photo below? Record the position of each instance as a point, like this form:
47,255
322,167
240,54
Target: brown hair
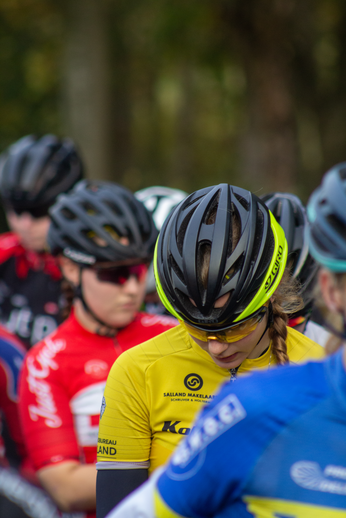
67,291
286,300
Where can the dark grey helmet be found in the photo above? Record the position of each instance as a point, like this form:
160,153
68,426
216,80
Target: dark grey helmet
88,222
34,171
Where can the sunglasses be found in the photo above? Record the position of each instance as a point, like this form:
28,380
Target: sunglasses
35,212
293,322
120,274
229,334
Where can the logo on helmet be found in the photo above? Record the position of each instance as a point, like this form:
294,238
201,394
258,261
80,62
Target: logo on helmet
275,270
193,382
79,257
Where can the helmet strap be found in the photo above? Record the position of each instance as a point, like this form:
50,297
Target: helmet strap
78,292
270,321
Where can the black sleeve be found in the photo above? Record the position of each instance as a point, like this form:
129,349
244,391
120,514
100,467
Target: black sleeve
113,485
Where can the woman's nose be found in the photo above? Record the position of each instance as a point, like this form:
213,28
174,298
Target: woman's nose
216,347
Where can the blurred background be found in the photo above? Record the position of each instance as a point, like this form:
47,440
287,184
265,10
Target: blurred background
181,93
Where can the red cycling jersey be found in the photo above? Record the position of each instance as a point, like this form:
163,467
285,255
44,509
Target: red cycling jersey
62,385
30,293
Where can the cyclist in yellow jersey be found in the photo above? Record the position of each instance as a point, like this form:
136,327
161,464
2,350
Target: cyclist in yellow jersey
220,269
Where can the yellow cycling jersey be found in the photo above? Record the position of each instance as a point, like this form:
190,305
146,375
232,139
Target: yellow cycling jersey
155,389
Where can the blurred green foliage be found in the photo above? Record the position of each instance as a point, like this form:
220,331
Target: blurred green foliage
180,91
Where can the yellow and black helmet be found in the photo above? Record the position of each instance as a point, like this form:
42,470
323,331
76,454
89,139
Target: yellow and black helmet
247,253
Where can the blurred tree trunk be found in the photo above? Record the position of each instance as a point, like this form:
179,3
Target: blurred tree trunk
259,31
86,83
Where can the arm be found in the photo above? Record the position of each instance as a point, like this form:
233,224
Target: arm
71,485
124,434
50,436
114,485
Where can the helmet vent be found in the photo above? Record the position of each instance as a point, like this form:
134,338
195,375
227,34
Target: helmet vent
338,225
68,214
233,270
182,230
342,173
267,255
89,208
242,201
176,268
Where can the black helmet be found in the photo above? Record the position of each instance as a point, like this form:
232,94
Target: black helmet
248,267
88,222
291,215
34,171
326,212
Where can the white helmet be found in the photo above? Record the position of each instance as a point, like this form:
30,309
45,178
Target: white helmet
160,201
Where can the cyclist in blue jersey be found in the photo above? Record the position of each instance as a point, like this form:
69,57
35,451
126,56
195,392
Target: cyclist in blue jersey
273,444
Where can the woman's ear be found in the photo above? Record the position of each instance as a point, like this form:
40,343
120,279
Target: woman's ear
70,270
331,292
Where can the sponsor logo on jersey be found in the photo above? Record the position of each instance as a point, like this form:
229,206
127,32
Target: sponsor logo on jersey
173,427
193,381
217,421
38,370
106,450
275,270
152,320
310,475
189,396
106,446
96,368
103,407
279,508
51,308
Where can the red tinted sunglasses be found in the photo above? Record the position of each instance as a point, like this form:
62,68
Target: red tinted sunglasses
120,274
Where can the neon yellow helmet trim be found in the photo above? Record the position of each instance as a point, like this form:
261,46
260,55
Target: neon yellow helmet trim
160,291
275,272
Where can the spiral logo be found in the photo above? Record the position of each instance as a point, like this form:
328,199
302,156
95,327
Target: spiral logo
193,382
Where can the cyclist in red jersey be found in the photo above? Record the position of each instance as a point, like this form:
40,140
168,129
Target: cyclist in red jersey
105,239
19,498
33,172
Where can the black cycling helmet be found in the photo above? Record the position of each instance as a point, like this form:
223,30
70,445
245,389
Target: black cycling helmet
34,171
291,215
249,269
326,212
88,222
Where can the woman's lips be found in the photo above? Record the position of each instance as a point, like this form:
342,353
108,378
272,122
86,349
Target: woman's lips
227,359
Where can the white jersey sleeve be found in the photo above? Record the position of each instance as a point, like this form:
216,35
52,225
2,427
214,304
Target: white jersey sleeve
317,333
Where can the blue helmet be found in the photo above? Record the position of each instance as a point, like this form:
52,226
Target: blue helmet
326,211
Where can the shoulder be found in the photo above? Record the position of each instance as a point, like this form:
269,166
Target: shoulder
9,244
158,323
300,348
159,347
47,351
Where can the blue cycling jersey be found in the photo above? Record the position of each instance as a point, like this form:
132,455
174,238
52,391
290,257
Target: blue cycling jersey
270,445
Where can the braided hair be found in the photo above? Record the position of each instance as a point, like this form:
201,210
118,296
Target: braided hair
286,300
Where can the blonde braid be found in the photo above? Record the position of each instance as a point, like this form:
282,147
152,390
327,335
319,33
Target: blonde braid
278,334
285,301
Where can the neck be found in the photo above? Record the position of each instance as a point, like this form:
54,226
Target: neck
86,320
262,345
